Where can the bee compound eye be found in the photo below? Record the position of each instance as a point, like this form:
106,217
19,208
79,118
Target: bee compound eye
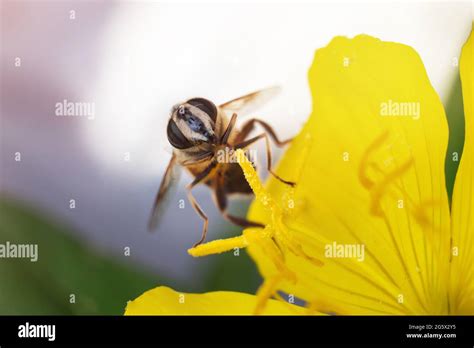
205,105
176,137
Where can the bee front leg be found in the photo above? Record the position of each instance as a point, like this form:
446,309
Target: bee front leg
229,129
248,126
250,141
201,213
199,178
220,197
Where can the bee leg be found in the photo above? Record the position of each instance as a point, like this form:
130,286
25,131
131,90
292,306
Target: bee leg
200,177
221,202
201,213
250,125
228,130
250,141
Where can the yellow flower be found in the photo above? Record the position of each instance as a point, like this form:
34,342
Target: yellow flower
165,301
368,227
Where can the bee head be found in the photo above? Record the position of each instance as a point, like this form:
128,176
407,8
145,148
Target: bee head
192,123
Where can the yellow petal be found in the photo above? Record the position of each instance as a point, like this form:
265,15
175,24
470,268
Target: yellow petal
366,177
165,301
462,221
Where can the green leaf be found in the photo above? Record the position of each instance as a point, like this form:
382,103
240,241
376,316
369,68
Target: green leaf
65,267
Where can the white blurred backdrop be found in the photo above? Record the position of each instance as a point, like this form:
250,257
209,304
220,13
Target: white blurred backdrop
134,60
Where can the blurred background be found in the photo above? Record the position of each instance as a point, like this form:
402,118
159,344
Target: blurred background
132,61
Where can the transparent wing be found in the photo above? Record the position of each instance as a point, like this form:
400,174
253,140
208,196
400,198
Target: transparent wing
166,191
249,102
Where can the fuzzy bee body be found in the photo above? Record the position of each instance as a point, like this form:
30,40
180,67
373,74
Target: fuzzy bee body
199,132
228,175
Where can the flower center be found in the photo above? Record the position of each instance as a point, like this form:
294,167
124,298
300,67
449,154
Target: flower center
275,240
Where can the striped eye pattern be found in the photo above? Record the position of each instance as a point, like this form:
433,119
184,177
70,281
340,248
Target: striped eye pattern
206,106
176,137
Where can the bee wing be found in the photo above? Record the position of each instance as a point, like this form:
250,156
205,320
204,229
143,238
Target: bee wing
249,102
167,188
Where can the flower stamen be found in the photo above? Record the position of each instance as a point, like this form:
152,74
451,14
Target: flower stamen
388,181
266,291
274,240
219,246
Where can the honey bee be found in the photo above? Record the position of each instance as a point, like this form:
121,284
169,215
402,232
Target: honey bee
198,130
